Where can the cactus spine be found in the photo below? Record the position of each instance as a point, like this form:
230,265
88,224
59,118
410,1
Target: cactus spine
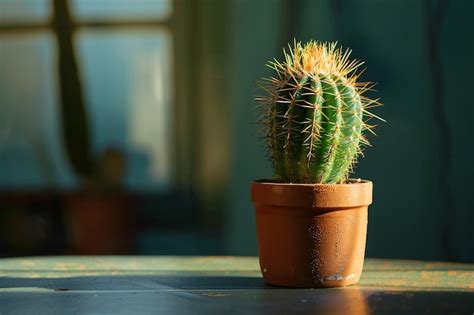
314,114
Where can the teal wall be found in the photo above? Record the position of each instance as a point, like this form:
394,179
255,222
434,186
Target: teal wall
422,159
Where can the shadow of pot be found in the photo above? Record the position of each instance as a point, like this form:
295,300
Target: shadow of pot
338,301
311,235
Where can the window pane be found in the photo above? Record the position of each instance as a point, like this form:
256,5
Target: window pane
24,10
121,9
128,83
31,153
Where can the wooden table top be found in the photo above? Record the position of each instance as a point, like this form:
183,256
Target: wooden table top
214,285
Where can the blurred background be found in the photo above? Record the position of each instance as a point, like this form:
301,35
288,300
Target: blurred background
127,126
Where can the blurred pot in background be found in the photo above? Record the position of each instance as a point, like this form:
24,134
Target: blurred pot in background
100,223
100,217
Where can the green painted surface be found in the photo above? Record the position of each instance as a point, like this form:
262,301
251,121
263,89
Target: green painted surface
212,285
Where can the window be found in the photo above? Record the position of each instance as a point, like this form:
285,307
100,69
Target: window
148,79
124,53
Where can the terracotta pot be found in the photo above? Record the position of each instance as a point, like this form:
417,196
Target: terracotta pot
311,235
100,223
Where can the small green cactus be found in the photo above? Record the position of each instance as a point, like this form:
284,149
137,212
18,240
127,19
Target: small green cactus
314,114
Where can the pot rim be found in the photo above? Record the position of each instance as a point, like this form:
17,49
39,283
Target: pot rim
350,181
353,194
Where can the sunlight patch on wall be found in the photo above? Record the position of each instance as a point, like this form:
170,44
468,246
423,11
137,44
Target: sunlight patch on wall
150,113
128,85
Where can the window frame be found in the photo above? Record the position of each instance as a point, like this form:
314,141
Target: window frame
199,97
62,21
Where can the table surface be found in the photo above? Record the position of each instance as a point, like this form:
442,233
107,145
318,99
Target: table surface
214,285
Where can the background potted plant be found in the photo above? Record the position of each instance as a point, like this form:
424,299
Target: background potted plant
99,215
312,219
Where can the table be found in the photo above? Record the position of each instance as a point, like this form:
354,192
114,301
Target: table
222,285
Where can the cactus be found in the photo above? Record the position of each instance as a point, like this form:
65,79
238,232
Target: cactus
315,114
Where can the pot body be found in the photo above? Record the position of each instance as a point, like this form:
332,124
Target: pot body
100,224
311,235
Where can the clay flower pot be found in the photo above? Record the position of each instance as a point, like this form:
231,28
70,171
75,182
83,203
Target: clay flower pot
311,235
100,223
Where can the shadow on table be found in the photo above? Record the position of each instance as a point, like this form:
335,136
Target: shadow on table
214,294
137,282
